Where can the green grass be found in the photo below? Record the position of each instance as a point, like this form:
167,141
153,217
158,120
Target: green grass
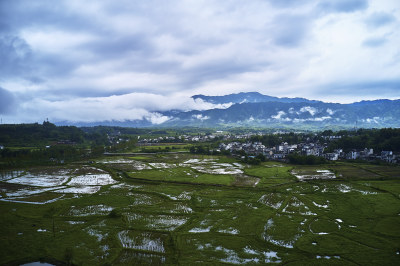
389,172
182,174
139,158
163,147
23,148
278,221
271,174
352,172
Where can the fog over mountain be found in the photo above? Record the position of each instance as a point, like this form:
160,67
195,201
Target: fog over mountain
258,110
247,97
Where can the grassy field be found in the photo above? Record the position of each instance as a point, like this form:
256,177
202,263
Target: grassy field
271,173
185,209
162,147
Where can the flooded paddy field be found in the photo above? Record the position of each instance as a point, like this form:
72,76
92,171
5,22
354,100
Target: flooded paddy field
185,209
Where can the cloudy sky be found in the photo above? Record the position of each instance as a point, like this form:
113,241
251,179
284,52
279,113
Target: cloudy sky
117,60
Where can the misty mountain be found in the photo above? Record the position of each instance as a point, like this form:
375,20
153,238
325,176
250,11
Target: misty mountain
381,113
249,97
256,110
140,123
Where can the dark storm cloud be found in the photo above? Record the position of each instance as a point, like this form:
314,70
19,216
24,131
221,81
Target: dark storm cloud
7,101
380,19
345,6
50,65
138,49
15,56
19,61
18,14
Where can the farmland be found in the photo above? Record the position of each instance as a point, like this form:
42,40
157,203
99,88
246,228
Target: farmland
187,209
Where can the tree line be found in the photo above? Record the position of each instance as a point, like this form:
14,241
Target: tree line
47,143
378,139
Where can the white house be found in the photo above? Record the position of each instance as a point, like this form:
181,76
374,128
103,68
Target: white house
388,156
353,155
332,156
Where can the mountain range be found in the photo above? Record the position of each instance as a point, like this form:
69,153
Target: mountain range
252,109
248,97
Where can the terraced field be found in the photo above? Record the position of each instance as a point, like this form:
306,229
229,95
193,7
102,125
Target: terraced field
184,209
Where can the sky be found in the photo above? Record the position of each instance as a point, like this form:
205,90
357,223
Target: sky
88,61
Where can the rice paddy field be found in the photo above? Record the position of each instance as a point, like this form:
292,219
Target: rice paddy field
183,209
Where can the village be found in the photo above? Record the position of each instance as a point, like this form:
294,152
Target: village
242,144
280,152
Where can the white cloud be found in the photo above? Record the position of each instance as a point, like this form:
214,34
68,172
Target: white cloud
372,120
201,117
56,41
157,118
278,115
309,109
199,104
316,119
297,120
330,111
118,107
211,47
323,118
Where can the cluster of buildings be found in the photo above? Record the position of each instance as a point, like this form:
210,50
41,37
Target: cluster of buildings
281,151
198,138
234,144
181,138
116,138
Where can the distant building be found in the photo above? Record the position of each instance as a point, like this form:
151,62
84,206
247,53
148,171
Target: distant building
353,155
388,156
331,156
268,153
278,156
366,153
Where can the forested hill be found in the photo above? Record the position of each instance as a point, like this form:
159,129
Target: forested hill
37,134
